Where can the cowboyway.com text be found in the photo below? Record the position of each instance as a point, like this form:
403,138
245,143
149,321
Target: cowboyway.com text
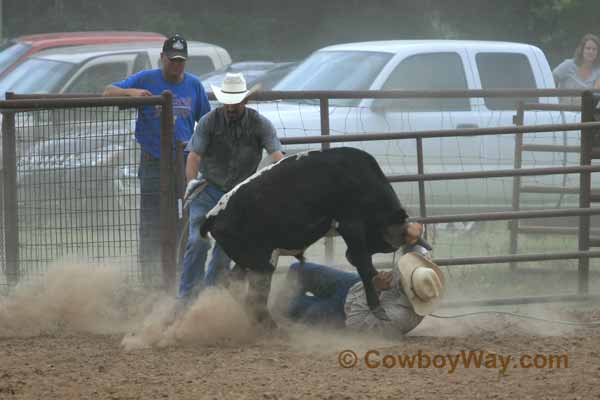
465,359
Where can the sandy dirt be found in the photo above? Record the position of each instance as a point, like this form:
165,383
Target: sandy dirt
87,334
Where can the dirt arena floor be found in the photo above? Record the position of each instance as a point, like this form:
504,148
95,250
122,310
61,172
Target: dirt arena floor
87,336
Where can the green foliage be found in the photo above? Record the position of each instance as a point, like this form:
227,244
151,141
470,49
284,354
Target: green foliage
288,29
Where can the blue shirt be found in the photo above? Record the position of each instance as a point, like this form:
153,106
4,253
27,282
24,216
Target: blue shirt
189,104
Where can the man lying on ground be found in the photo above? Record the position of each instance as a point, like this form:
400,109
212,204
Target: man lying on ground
331,297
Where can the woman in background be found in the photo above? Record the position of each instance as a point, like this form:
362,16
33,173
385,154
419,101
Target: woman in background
582,71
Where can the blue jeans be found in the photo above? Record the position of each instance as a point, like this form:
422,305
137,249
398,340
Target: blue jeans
329,288
196,250
149,222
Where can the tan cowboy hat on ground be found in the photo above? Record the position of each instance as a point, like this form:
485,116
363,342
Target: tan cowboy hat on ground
233,90
422,281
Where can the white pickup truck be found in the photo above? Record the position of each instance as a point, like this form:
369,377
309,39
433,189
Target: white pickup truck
430,65
88,69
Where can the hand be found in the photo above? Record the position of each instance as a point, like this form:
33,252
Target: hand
192,185
413,232
380,313
138,92
383,280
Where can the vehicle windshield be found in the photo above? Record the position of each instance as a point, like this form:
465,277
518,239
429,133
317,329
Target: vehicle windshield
10,52
336,70
36,75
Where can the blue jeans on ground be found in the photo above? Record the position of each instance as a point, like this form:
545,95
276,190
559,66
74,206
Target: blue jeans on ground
196,250
329,288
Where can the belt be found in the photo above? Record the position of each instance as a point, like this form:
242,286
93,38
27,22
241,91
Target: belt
148,157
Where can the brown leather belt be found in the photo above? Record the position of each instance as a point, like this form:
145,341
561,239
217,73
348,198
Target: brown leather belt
148,157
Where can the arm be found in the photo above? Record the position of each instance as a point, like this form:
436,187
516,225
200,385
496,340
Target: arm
276,156
270,141
132,86
192,166
561,71
196,147
112,90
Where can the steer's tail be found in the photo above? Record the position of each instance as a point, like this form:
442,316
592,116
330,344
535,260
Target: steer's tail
205,225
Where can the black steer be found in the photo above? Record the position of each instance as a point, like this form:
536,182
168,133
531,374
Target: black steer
293,203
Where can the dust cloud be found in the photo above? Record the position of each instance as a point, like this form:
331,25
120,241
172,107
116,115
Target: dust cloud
215,318
77,297
71,298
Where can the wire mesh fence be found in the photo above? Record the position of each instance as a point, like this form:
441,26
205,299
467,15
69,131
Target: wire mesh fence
77,187
78,192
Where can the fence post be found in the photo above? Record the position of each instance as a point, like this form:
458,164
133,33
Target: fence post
9,172
587,115
519,120
421,171
324,103
179,176
180,188
168,221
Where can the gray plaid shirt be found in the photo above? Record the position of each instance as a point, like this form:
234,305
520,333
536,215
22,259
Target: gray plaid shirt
231,151
395,303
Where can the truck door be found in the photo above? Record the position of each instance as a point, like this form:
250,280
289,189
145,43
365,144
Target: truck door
519,70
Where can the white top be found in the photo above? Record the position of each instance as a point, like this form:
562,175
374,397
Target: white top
567,78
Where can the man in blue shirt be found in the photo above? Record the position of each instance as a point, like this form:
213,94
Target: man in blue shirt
189,104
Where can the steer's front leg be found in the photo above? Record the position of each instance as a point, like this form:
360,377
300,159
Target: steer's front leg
354,233
364,266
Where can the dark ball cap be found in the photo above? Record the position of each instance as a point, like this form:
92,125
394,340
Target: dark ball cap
175,47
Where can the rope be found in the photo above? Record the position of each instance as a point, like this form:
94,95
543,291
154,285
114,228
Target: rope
591,323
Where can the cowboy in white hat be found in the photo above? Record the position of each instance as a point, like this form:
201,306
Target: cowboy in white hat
233,94
410,291
233,91
225,149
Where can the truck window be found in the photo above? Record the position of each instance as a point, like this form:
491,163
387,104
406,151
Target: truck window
95,78
434,71
505,71
199,65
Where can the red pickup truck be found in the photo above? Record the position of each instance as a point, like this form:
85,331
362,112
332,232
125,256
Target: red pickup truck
15,51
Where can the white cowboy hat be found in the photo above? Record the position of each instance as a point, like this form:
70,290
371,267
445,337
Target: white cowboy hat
233,90
422,282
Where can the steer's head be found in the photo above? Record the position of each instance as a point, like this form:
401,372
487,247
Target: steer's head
393,233
398,235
